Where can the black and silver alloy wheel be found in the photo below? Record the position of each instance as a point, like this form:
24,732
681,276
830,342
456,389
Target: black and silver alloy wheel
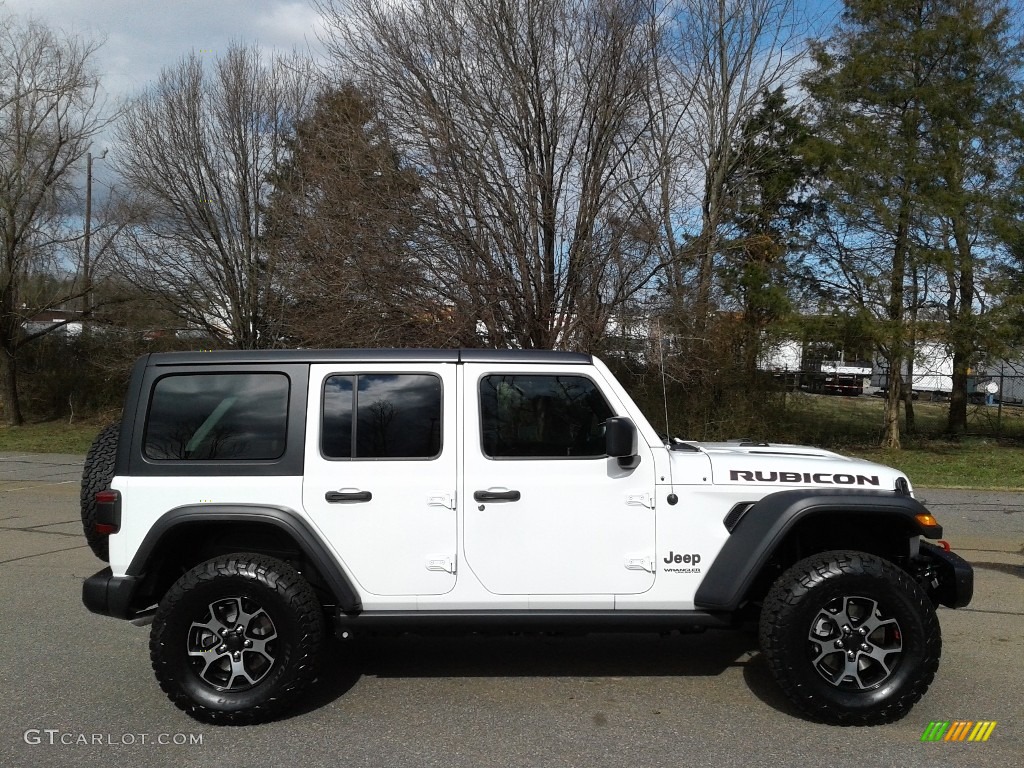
233,646
237,638
851,638
853,645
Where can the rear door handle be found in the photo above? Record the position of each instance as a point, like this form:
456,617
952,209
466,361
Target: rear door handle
496,495
347,497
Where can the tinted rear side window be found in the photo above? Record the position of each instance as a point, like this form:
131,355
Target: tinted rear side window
398,416
218,416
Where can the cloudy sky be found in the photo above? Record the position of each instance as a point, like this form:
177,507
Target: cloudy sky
143,36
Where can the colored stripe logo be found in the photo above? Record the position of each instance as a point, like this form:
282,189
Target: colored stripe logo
958,730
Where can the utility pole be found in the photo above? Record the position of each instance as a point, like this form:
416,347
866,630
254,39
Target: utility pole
86,265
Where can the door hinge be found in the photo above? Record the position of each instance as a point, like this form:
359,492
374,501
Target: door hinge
640,564
640,500
439,499
446,564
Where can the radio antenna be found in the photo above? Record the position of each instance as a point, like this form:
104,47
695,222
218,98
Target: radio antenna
664,387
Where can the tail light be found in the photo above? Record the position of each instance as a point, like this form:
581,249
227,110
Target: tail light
108,512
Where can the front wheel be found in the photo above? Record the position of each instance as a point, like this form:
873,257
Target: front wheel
235,640
851,638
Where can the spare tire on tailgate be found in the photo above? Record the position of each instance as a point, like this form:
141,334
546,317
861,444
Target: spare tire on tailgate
96,476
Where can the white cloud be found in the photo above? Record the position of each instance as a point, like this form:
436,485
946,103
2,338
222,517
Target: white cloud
286,24
143,36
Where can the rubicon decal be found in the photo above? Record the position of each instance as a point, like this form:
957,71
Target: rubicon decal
958,730
821,478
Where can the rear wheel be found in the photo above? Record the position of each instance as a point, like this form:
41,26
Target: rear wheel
851,638
236,639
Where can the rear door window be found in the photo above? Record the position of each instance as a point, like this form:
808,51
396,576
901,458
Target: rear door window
397,416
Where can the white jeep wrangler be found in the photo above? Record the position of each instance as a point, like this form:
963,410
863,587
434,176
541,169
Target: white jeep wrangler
251,502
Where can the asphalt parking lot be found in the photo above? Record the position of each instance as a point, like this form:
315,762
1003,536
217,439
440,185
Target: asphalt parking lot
77,689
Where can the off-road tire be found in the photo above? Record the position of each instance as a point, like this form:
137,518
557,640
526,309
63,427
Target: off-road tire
96,476
285,602
800,609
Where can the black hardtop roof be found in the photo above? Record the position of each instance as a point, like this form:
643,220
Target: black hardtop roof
232,356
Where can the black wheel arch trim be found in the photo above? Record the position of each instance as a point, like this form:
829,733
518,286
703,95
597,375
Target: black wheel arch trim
765,525
282,518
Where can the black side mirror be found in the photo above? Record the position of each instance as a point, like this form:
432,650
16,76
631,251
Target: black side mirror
620,441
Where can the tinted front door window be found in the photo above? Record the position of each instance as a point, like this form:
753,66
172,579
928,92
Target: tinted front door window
542,416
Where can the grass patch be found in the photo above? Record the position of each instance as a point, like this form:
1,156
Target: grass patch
51,436
991,456
828,420
968,464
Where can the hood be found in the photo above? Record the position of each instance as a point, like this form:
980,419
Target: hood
801,466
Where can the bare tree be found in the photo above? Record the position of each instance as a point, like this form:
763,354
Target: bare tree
199,148
523,119
717,60
49,114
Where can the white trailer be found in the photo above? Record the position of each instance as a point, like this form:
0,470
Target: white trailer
1004,380
932,374
815,368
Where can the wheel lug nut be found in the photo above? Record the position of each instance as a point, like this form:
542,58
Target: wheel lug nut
846,627
839,643
248,643
851,655
865,647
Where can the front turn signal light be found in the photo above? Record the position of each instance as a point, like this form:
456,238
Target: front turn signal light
924,518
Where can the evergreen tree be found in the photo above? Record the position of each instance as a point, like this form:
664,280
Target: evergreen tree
911,99
769,184
342,218
867,86
974,134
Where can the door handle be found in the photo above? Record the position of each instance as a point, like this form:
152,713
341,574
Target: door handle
496,495
346,497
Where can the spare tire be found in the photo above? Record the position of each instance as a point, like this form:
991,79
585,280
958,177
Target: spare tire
96,476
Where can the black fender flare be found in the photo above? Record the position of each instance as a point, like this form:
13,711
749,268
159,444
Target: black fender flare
284,519
763,527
